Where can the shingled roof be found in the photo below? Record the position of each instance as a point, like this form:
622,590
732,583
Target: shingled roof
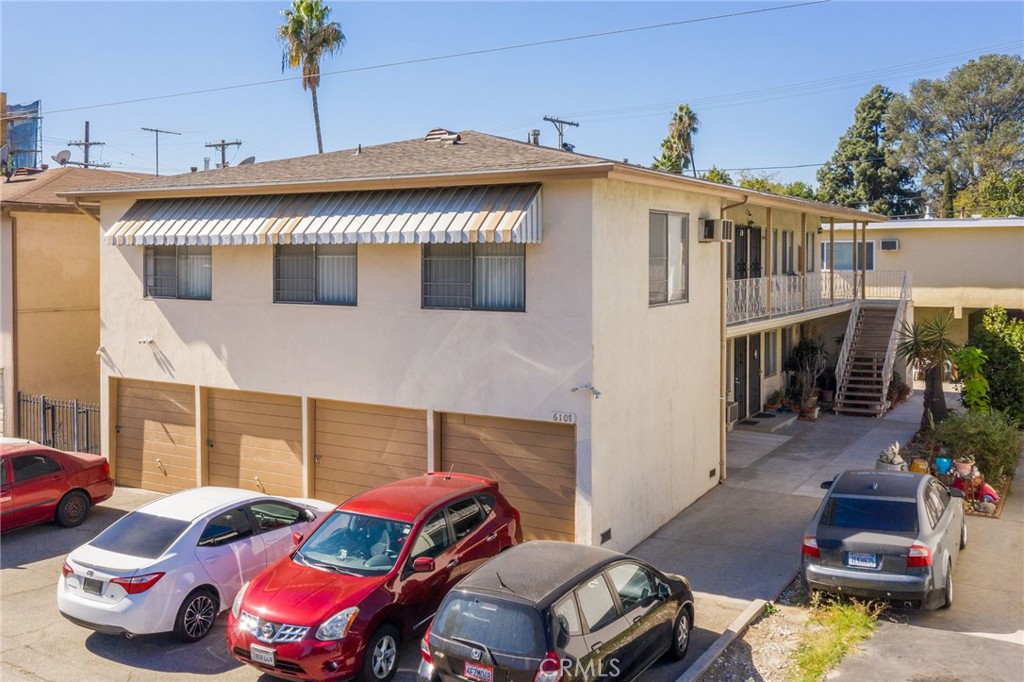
41,188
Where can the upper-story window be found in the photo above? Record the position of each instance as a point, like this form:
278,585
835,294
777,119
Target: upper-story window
669,258
315,273
178,272
474,276
844,258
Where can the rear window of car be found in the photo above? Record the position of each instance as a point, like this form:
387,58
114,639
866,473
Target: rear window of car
501,626
869,513
141,535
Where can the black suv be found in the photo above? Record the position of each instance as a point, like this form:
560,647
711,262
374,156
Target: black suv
557,612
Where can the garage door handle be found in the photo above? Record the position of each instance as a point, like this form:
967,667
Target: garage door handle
209,442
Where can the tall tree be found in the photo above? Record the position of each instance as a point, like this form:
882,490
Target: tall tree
308,35
767,182
865,171
716,174
948,194
994,196
677,147
971,122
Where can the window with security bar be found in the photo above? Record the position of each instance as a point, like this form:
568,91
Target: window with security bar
668,263
323,274
476,276
178,272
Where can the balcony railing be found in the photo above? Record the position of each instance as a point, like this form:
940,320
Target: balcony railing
748,300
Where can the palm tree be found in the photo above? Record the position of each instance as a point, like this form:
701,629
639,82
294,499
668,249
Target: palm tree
677,148
928,345
308,35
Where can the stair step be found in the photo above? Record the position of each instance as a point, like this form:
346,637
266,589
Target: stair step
856,411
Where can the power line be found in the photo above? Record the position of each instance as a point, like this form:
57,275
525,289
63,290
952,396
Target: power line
156,133
456,55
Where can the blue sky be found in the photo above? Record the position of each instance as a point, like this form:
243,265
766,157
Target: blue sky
621,88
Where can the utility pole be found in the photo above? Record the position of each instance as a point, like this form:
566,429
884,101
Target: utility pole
85,144
560,127
156,132
223,147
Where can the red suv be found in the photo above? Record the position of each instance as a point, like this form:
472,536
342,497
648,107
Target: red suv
370,574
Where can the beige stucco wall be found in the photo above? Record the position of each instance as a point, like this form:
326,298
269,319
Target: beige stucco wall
955,268
57,307
7,393
387,350
656,425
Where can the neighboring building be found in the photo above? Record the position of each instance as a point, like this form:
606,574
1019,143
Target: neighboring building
49,289
316,326
959,266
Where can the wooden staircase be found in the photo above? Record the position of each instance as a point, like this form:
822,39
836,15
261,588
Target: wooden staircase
862,384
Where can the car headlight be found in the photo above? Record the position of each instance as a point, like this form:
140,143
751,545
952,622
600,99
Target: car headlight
236,605
337,626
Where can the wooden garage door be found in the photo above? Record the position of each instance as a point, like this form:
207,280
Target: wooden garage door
534,463
156,435
359,447
256,441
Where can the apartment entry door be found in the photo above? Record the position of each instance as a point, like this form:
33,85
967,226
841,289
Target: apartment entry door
747,373
747,252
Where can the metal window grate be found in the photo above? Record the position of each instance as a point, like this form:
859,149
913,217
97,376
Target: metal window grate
178,272
485,276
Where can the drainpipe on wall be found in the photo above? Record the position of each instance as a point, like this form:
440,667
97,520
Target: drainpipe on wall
723,347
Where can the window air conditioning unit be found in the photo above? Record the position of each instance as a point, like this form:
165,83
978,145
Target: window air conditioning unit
715,230
732,412
890,245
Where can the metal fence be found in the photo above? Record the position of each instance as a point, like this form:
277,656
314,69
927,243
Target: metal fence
62,424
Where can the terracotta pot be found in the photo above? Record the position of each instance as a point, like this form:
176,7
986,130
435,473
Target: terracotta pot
964,468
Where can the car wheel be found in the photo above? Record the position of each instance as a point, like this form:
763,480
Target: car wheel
72,509
963,534
681,634
196,616
949,586
381,659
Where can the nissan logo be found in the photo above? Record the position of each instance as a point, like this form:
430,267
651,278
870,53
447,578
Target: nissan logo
267,631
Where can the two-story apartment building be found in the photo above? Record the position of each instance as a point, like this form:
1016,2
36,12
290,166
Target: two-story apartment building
324,324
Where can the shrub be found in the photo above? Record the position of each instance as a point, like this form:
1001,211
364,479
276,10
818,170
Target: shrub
974,389
1002,342
992,438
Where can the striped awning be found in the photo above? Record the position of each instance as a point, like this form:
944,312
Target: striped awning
453,215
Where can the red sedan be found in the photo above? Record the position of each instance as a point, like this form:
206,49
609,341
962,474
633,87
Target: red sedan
372,573
40,484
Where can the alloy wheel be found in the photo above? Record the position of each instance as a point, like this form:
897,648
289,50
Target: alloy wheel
683,632
199,616
385,655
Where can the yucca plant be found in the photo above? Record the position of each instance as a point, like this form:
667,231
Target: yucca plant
928,345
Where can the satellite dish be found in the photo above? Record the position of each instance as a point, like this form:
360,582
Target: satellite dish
246,161
62,157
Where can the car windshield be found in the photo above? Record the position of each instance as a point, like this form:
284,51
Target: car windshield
497,625
354,543
871,513
141,535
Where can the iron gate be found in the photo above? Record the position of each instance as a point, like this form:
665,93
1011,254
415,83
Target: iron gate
63,424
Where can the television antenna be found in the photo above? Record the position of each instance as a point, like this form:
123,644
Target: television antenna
62,157
157,132
247,161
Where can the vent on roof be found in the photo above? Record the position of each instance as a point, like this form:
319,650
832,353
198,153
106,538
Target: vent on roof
440,135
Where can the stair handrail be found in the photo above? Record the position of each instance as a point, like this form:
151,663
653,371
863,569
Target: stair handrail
844,351
890,353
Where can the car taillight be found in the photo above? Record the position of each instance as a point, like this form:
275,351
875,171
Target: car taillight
919,556
138,583
425,646
66,570
106,468
550,669
810,547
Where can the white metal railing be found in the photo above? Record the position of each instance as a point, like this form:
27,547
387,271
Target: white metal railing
745,299
884,284
844,350
890,353
787,294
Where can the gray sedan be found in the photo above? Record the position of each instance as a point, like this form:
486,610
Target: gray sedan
886,535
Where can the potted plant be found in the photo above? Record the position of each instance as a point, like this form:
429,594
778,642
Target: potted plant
964,463
809,361
774,400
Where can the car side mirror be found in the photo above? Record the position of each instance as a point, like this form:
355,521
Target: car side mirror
309,515
663,591
423,564
825,485
297,538
956,492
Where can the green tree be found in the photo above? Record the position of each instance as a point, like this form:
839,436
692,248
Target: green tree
716,174
677,147
971,122
927,344
1001,339
948,193
994,196
308,35
767,182
865,171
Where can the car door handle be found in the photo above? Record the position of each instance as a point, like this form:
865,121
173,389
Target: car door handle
492,537
596,645
453,563
638,619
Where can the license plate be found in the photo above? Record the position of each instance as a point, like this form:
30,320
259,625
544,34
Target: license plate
92,586
261,654
860,560
484,673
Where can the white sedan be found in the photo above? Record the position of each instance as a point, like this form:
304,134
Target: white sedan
172,565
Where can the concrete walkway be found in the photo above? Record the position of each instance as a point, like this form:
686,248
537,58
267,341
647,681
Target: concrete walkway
741,541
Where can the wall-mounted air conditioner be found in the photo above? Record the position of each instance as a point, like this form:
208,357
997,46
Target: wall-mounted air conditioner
715,230
732,412
890,244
